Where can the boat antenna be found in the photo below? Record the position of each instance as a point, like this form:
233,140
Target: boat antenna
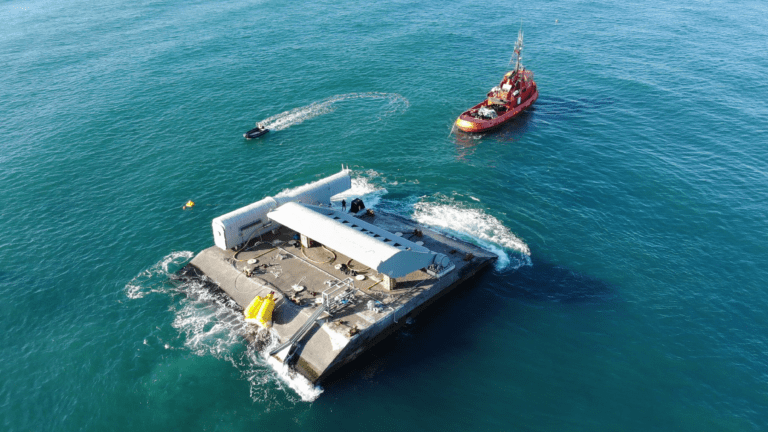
519,49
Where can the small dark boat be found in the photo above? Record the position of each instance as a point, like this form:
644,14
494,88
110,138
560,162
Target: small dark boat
256,132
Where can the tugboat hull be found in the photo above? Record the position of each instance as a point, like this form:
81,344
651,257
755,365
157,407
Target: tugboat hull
467,123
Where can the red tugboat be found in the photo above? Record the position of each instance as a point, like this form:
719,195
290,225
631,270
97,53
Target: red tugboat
516,93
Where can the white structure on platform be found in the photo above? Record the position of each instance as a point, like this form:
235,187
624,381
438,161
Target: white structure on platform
243,224
307,210
366,243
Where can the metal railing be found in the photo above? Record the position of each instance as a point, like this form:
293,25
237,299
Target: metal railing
338,295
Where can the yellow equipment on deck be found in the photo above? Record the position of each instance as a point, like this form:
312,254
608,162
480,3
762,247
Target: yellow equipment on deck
260,310
253,309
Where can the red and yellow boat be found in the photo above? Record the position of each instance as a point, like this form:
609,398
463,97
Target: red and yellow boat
516,93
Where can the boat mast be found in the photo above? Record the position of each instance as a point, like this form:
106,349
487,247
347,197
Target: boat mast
519,50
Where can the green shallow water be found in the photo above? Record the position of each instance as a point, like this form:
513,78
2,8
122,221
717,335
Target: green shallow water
637,184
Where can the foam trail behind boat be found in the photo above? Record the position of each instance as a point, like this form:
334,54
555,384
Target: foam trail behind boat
444,214
479,226
284,120
363,189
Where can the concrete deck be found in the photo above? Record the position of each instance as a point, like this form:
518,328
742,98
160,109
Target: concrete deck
277,262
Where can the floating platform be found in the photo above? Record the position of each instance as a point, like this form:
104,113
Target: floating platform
336,297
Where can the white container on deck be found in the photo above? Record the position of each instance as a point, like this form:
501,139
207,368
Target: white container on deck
246,223
319,192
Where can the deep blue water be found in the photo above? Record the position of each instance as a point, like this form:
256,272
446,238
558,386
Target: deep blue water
638,185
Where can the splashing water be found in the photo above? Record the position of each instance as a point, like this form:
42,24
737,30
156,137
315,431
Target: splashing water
154,278
307,391
445,215
211,324
284,120
476,224
361,188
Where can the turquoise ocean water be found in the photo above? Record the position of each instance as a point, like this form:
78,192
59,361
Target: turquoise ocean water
628,210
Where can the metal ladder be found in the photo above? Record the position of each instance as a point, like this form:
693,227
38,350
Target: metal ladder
336,297
299,334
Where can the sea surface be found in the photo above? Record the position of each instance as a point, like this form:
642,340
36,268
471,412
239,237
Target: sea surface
628,210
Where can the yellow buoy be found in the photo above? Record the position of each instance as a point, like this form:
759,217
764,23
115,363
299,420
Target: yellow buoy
252,311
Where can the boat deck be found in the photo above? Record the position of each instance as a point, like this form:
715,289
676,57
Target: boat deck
364,309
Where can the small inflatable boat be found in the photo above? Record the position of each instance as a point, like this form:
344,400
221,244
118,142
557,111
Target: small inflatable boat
255,132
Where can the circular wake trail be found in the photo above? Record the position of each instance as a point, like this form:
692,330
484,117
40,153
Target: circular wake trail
284,120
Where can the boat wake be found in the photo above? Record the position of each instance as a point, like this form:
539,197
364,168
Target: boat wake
395,104
475,225
156,278
448,216
363,189
209,323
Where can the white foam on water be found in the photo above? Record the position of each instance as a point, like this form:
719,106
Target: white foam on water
307,391
215,328
210,324
490,233
286,119
155,278
446,215
396,104
361,188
